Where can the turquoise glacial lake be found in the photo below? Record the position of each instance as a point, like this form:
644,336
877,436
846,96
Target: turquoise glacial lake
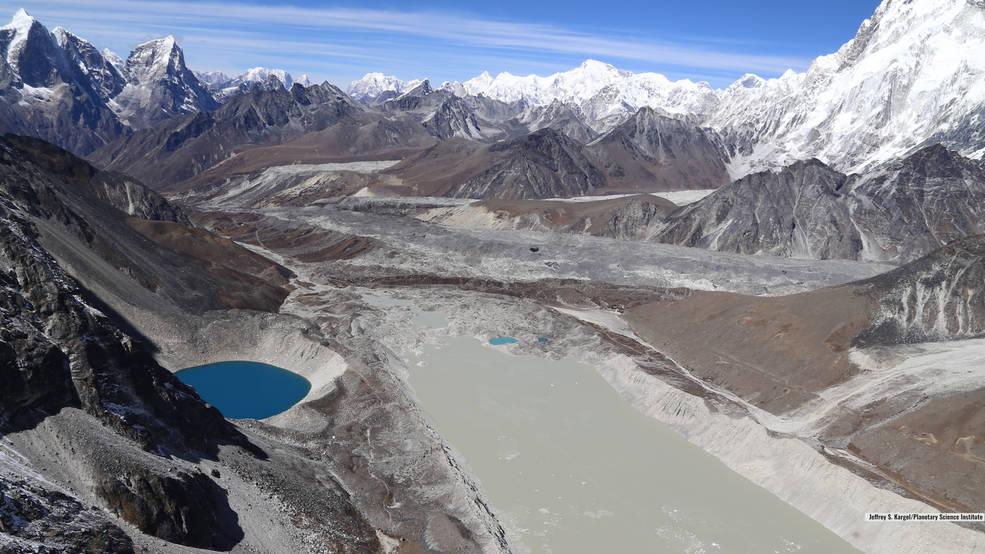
246,390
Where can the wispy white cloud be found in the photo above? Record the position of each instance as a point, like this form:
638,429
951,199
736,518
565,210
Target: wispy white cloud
355,34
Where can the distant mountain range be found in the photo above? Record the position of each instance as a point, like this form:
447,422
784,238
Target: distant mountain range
909,80
911,77
59,87
224,86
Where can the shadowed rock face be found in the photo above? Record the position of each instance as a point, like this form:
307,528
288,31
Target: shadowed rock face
896,213
799,211
938,297
543,164
104,77
125,433
47,385
653,152
59,352
31,513
918,204
181,507
182,148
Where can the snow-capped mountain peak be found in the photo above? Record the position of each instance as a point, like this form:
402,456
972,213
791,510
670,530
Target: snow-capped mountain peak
605,94
113,57
104,76
913,74
21,21
262,74
160,84
155,59
61,35
255,78
595,68
749,80
372,85
422,88
25,37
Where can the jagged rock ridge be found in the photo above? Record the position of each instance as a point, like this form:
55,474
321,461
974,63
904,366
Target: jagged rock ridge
896,213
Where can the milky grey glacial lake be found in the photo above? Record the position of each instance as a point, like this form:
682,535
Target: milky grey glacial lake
570,467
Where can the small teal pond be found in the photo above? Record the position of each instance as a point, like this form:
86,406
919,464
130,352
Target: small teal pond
246,390
502,340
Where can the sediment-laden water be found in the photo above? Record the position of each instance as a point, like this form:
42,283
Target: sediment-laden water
570,467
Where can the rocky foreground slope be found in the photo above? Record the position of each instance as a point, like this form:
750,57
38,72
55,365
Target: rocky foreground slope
104,450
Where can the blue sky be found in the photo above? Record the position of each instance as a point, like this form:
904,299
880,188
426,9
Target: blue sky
711,40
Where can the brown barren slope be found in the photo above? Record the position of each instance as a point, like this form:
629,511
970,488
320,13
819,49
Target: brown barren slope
775,353
246,280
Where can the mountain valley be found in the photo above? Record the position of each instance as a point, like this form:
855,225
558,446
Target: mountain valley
785,274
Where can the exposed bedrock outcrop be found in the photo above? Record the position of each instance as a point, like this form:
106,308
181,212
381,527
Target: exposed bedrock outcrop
797,212
58,352
654,152
182,507
32,515
86,409
896,213
543,164
938,297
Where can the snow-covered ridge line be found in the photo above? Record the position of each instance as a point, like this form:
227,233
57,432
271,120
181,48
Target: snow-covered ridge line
152,84
913,75
223,85
372,85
